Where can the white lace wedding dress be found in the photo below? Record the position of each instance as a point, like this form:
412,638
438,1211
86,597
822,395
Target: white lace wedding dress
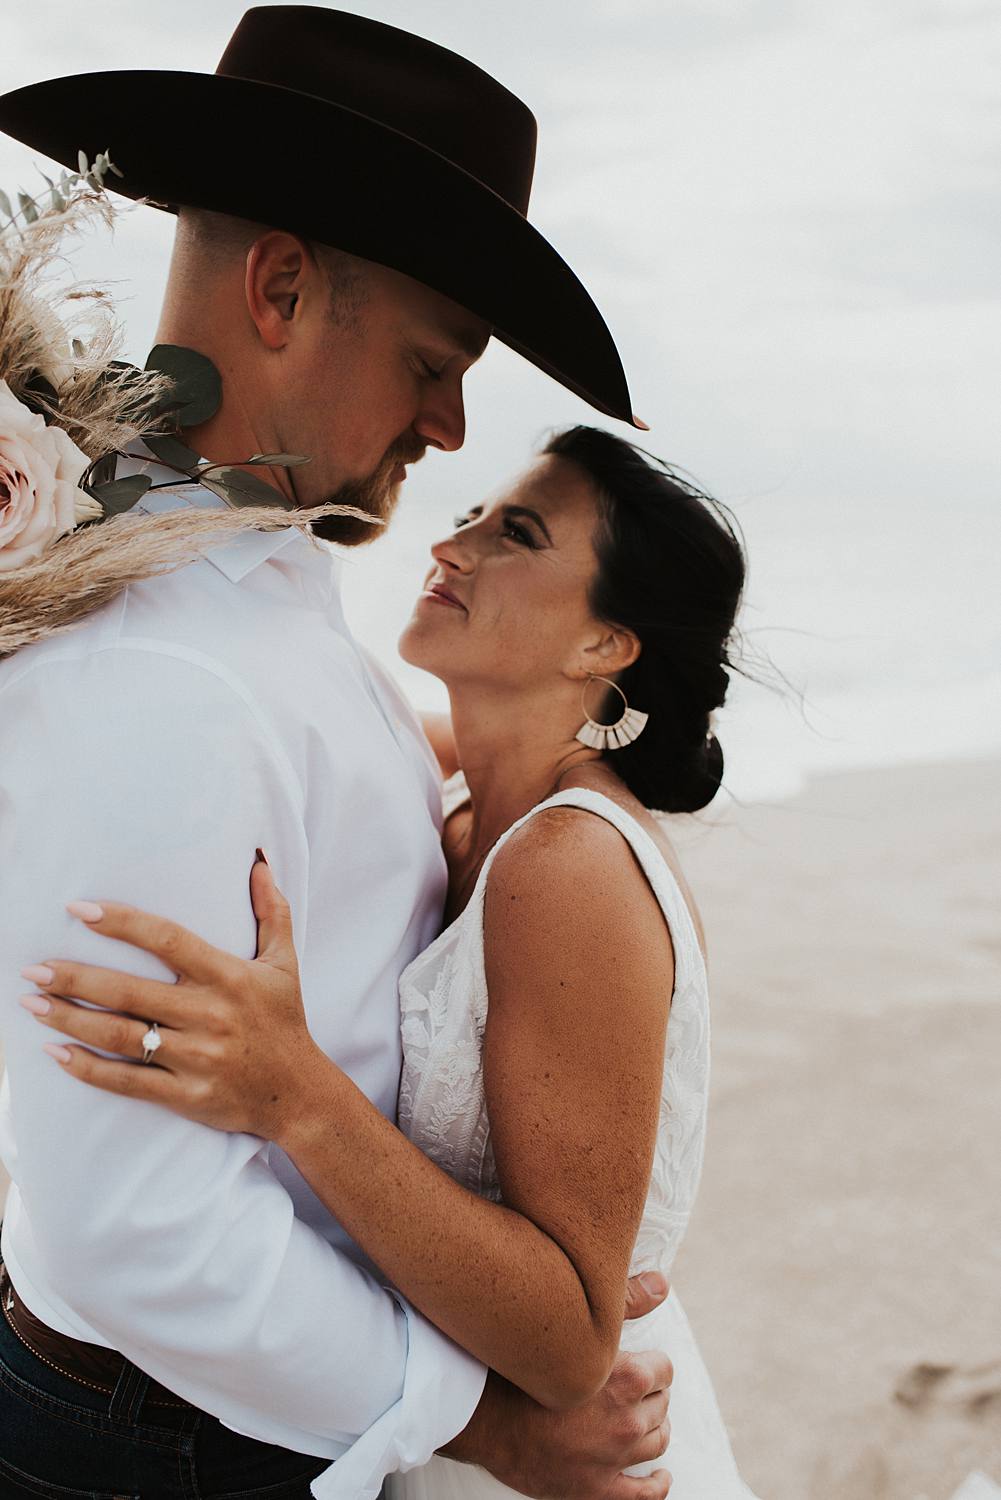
442,1109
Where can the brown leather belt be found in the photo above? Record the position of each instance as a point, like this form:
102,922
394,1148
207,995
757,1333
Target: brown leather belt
87,1364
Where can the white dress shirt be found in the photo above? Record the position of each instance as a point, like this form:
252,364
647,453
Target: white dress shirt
143,757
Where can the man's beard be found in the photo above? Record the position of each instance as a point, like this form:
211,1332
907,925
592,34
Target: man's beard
376,495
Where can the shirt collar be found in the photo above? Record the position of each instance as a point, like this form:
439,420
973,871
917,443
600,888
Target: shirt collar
239,555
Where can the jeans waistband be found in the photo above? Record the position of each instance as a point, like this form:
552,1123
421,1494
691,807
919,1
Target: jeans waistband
89,1364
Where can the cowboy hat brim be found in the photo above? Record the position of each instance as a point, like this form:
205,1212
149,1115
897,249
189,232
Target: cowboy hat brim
275,155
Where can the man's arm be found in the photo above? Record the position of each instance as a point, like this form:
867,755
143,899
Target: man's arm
138,775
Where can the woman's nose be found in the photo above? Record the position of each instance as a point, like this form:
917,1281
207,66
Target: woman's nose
452,552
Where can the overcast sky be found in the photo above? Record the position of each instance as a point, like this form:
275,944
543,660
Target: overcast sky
790,213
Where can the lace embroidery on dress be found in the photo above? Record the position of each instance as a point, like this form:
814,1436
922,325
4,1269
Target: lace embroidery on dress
443,996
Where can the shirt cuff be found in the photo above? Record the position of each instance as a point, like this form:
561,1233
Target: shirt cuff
442,1386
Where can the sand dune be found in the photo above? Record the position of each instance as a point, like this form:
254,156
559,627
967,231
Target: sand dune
844,1268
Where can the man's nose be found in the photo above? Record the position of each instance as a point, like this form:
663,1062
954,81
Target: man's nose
441,420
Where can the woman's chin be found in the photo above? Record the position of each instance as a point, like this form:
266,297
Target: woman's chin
418,648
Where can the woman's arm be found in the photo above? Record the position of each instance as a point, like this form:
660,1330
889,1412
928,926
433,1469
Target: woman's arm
580,974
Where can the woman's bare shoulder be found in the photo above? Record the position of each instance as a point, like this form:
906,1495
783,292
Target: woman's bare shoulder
558,843
566,871
569,851
574,937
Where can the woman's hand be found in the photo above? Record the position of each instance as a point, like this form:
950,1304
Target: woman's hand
235,1047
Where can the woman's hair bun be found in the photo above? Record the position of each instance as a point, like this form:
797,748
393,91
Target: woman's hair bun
670,569
705,780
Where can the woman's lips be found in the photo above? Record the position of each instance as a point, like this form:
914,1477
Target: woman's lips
437,595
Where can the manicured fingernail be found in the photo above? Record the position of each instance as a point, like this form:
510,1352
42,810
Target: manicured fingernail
37,1004
38,974
653,1284
61,1054
87,911
262,858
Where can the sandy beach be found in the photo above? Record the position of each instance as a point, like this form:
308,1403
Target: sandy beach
843,1271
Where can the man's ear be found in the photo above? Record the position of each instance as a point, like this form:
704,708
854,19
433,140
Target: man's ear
278,264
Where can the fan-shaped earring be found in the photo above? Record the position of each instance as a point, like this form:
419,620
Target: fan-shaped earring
611,736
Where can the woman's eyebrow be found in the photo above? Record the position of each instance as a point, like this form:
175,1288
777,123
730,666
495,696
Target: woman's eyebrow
533,515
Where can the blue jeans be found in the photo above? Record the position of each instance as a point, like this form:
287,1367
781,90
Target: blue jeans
63,1440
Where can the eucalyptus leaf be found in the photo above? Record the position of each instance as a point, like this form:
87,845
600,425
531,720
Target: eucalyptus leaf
252,489
169,451
239,488
112,168
58,201
197,384
121,494
233,497
5,205
82,163
27,208
222,490
101,471
280,460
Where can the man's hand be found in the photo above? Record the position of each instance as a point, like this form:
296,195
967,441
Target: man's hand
580,1454
644,1293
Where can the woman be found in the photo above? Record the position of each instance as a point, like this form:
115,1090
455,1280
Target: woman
550,1142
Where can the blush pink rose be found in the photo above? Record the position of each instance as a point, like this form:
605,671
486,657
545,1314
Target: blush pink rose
40,471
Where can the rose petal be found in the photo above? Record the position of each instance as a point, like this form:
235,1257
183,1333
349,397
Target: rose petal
40,470
85,507
17,511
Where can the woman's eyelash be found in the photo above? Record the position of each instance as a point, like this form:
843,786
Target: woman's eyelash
520,533
428,372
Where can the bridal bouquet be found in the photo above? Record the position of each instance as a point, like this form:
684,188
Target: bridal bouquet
67,406
70,408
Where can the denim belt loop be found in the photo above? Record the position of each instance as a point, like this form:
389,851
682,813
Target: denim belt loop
129,1393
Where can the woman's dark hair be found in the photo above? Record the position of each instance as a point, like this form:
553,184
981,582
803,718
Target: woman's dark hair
671,569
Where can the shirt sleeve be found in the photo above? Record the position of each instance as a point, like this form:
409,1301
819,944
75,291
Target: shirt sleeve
139,776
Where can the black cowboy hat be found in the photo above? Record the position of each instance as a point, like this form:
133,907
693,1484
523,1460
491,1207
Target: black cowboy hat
354,134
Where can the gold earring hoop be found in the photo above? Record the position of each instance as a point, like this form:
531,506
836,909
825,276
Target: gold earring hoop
610,736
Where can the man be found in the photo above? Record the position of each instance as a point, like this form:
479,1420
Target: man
182,1317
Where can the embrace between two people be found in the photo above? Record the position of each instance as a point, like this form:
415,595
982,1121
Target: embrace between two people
315,1249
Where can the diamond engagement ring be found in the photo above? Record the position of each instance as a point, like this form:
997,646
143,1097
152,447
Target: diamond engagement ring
151,1041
